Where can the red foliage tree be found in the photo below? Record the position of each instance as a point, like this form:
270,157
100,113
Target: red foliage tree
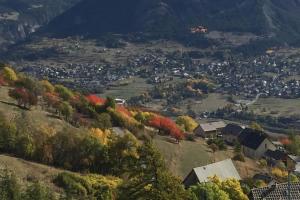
124,110
167,125
95,100
51,99
23,97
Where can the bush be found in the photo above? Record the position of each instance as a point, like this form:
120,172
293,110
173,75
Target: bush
219,142
239,157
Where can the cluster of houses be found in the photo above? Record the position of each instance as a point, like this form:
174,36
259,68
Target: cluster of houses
267,75
255,144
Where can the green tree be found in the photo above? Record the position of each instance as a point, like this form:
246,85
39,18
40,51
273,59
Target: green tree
38,192
110,103
103,121
64,92
151,180
66,109
8,135
9,186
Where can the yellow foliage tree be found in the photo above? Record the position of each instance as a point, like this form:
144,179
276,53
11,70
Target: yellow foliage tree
279,173
48,87
9,74
188,123
103,136
232,187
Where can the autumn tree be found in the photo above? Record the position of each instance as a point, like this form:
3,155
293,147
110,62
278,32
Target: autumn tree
188,123
24,98
47,86
64,92
256,126
9,74
66,110
166,125
208,191
232,187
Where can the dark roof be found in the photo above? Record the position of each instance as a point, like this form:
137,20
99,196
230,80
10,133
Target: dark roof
232,129
276,192
252,138
276,155
265,177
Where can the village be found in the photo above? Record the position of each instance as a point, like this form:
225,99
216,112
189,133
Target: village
255,144
268,75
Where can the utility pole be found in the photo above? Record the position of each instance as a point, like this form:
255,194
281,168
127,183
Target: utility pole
289,184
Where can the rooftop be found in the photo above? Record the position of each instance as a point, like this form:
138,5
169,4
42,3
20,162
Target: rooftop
224,170
276,192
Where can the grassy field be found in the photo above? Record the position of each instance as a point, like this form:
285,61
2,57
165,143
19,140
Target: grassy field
128,88
182,158
211,103
277,106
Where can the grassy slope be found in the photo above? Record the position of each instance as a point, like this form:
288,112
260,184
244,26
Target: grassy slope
182,158
27,171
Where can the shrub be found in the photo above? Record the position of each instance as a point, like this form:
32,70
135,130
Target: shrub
239,157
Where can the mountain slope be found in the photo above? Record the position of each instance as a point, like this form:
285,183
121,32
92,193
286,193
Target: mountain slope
19,18
93,17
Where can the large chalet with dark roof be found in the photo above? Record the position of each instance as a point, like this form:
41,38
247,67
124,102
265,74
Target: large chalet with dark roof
231,133
255,143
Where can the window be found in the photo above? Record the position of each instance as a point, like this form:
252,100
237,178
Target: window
266,146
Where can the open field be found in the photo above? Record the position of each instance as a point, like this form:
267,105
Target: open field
211,103
127,88
276,106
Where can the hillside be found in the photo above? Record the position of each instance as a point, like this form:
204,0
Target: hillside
19,18
172,17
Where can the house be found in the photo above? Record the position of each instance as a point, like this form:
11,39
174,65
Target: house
275,157
231,133
293,163
276,192
209,130
224,170
255,143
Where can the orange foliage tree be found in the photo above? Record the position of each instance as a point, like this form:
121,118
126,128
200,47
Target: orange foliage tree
167,125
95,100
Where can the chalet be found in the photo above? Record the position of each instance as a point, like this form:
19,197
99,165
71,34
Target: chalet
209,130
293,163
275,157
255,143
231,133
224,170
276,192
